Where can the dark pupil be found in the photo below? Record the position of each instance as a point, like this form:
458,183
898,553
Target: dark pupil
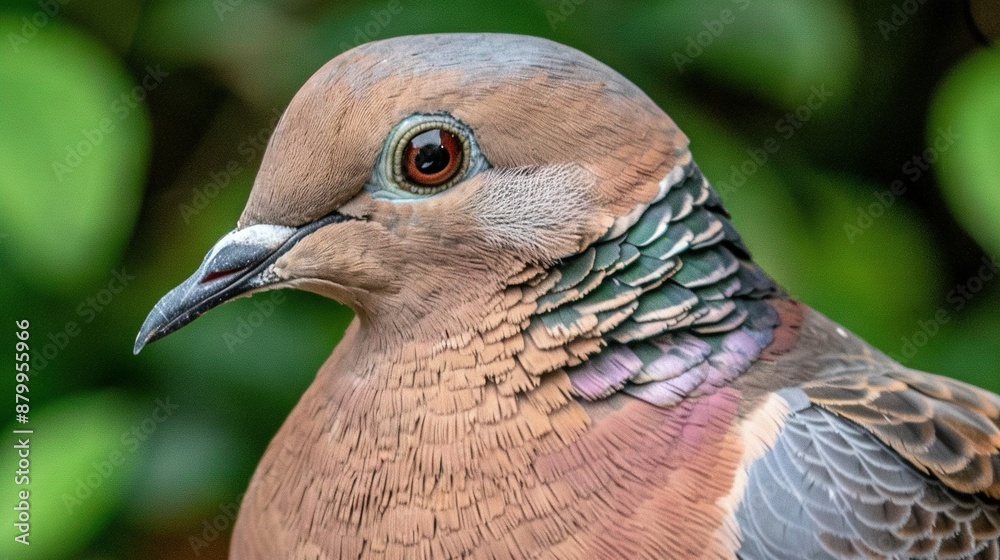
430,157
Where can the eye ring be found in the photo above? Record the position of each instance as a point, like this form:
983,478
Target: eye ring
430,157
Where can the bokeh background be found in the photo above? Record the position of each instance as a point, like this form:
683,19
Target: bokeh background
857,144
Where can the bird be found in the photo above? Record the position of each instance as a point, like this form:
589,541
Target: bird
562,347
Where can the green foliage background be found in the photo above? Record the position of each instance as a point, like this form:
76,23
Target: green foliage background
856,144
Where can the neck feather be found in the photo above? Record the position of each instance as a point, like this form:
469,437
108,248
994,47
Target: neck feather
665,305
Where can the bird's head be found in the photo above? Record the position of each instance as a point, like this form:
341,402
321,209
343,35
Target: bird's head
418,173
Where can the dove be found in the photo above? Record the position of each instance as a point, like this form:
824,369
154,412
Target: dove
562,348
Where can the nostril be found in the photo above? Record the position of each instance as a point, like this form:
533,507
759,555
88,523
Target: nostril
219,274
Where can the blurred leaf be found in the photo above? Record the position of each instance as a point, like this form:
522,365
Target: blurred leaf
776,48
81,458
967,111
187,470
846,270
958,350
115,21
72,171
252,46
265,55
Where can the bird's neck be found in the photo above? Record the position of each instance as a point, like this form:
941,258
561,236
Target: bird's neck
665,305
433,420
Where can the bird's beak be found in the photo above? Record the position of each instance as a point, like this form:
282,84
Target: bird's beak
239,263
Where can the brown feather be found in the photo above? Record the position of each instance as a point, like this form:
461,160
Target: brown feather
946,428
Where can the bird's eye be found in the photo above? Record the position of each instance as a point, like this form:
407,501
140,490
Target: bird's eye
425,154
429,153
432,158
